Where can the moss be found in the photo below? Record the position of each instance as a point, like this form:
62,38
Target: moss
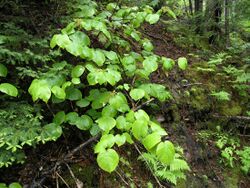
232,178
231,108
85,174
198,98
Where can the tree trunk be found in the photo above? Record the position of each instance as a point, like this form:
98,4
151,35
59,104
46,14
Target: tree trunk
191,7
227,32
216,18
198,8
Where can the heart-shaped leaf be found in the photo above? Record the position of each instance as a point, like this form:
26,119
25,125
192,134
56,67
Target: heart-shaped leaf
108,160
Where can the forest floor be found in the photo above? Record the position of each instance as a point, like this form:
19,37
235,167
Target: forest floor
44,166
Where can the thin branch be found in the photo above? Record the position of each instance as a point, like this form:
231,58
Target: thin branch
233,117
157,180
67,185
144,104
72,152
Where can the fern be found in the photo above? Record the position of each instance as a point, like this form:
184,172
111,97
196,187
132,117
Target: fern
171,173
222,95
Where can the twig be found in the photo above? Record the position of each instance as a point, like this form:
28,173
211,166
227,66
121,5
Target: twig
122,178
67,185
79,184
72,152
144,104
233,117
157,180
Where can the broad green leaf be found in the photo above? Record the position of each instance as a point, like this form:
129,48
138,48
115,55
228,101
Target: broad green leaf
112,76
150,64
151,140
119,102
77,71
62,40
80,38
137,94
76,81
182,63
152,18
84,122
71,117
85,11
8,89
3,185
83,103
108,160
135,36
73,94
167,63
122,124
69,29
147,45
39,89
111,55
165,152
106,123
98,57
109,111
106,141
15,185
59,118
52,131
120,139
140,129
3,70
128,138
141,114
58,92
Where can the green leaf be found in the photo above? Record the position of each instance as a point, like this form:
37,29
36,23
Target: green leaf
137,94
77,71
121,123
182,63
140,129
52,131
106,123
39,89
84,122
83,103
151,140
71,117
73,94
76,81
80,38
141,114
119,102
147,45
109,111
59,118
152,18
106,141
167,63
98,57
120,139
9,89
58,92
150,64
62,40
165,152
3,70
15,185
111,55
108,160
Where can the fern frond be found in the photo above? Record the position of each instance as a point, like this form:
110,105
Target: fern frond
179,164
